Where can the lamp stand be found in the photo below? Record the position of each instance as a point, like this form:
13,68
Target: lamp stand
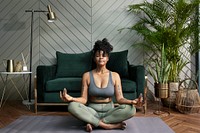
30,101
51,18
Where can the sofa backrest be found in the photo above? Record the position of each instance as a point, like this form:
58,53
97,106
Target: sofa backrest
118,63
74,65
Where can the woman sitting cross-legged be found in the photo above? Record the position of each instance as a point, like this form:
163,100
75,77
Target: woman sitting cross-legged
95,106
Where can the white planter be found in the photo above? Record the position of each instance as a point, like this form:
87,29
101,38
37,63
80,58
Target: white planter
173,86
171,100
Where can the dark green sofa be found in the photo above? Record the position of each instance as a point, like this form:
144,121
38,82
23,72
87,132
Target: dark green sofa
67,73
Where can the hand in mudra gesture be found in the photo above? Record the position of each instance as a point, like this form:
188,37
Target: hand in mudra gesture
139,101
64,96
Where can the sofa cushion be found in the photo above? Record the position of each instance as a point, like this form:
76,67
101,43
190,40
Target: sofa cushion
73,65
54,97
128,85
118,63
71,84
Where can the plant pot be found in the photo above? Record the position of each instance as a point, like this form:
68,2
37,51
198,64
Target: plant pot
171,100
161,90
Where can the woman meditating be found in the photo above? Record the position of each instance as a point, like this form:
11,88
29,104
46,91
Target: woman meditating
95,105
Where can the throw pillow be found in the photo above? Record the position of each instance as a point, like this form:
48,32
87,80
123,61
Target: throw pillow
118,63
73,65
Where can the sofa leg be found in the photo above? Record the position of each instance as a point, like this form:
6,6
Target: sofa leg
145,95
35,91
36,108
145,108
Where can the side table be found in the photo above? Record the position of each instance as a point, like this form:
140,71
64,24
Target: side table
6,77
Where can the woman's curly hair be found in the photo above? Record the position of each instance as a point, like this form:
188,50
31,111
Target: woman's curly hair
103,45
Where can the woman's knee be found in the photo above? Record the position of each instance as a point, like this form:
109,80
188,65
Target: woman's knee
129,110
72,106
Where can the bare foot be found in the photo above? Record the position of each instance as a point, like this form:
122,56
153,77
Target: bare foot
121,125
89,127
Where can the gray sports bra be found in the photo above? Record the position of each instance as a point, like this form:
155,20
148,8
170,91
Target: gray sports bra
101,92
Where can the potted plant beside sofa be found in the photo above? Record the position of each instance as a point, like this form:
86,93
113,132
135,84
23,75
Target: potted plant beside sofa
173,23
160,74
159,69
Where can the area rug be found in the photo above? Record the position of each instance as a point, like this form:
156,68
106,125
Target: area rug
69,124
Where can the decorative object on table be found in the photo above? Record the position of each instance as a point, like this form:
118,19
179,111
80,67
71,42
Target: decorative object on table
25,67
9,65
188,100
18,66
51,18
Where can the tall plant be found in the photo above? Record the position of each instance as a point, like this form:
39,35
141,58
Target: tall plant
169,22
162,68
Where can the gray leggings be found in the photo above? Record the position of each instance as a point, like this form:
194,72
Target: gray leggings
94,112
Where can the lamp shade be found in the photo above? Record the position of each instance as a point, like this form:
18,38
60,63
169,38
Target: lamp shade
51,16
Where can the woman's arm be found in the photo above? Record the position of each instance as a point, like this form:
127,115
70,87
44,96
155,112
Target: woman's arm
119,93
84,92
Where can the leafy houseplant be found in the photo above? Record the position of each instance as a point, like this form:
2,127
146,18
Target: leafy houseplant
162,68
172,23
161,75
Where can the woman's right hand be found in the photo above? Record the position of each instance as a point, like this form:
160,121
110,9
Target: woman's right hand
139,101
65,97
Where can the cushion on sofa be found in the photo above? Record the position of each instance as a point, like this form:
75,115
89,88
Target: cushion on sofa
118,63
71,84
128,85
54,97
73,65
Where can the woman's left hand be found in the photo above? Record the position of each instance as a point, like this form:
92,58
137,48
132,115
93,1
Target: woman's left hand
65,97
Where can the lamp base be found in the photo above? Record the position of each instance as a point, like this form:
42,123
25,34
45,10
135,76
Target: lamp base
28,103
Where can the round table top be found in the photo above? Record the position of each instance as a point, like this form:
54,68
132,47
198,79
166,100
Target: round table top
15,73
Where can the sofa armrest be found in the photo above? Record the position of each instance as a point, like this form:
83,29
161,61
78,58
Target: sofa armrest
137,74
44,73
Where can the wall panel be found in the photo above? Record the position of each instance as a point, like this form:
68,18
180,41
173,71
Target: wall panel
79,24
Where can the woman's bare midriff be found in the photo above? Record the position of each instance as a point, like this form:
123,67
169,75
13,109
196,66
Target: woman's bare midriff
95,99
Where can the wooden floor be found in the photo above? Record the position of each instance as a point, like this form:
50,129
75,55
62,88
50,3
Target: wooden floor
180,123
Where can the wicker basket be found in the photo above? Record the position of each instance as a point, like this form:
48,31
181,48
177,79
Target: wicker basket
188,100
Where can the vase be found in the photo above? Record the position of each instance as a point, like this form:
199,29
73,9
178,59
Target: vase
18,66
161,90
171,100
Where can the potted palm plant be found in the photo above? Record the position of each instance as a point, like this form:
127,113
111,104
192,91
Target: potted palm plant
172,23
169,22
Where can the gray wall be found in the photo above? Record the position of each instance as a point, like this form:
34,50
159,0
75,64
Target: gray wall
80,23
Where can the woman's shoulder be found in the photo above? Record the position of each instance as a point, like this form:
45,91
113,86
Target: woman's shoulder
115,74
86,73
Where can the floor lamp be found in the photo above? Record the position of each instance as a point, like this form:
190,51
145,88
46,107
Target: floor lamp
51,18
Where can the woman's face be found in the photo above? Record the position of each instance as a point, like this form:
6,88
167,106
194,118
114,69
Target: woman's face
101,58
